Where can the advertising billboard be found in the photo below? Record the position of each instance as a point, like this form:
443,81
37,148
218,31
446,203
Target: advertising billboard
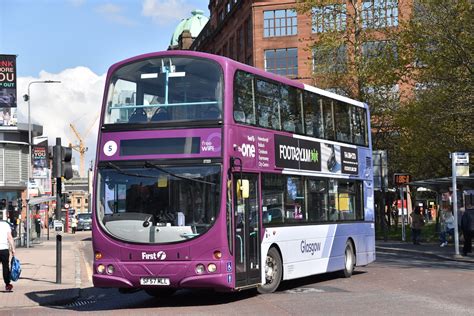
8,100
40,161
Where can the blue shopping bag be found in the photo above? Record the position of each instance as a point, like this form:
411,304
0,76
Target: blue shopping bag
15,269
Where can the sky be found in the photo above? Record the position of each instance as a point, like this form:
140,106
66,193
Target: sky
75,42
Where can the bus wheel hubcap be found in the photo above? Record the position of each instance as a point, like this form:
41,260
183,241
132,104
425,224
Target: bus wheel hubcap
270,269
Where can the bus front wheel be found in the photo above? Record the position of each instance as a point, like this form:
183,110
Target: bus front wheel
349,260
273,272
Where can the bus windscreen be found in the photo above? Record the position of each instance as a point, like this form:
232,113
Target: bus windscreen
165,90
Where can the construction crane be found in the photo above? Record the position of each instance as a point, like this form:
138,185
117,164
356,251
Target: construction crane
81,147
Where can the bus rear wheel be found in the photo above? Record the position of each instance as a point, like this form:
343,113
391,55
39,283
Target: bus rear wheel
273,272
349,260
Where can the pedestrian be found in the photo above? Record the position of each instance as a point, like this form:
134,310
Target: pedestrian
394,211
447,221
417,222
37,218
6,243
74,224
467,226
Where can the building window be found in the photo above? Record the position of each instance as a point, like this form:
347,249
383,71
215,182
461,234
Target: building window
280,23
79,201
389,93
329,18
379,49
282,61
379,13
326,59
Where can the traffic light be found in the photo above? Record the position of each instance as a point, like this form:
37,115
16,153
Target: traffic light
62,156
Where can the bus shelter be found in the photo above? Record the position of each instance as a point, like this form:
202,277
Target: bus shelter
443,187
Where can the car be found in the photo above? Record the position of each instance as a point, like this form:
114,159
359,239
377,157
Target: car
84,221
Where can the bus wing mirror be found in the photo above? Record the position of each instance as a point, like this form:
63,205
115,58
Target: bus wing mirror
243,188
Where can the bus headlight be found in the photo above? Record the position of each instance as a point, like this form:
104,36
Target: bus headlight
110,269
211,267
101,268
98,255
217,254
200,269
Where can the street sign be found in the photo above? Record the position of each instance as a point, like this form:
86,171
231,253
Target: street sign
58,226
461,164
401,178
66,206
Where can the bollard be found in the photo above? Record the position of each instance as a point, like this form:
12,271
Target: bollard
59,238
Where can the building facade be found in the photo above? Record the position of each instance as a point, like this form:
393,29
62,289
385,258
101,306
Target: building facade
77,191
14,164
271,35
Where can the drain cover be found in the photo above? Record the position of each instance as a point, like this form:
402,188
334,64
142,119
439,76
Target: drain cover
79,303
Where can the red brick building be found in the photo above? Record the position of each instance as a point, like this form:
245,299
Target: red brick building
271,35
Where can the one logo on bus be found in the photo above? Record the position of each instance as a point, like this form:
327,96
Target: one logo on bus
310,247
110,148
229,266
247,150
160,255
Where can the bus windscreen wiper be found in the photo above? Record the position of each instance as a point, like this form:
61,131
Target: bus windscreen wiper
150,165
121,171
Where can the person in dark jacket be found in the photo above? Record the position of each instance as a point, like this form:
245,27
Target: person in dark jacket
467,226
417,222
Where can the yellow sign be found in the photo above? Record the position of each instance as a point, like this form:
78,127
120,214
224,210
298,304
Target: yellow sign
162,182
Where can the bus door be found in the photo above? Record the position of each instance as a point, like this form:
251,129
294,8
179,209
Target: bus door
246,234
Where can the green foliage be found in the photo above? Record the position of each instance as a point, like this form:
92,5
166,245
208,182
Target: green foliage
429,56
439,119
428,233
372,67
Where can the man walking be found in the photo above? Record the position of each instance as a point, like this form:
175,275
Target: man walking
6,242
467,225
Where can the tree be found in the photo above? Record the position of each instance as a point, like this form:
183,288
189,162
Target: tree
354,53
439,118
414,71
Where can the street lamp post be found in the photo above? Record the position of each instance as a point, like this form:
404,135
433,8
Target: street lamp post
28,220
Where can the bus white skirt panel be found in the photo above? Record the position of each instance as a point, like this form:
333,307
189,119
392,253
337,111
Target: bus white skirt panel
308,250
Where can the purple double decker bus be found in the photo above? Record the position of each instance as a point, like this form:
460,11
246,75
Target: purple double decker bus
214,174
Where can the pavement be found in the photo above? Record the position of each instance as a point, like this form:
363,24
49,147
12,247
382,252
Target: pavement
426,249
37,285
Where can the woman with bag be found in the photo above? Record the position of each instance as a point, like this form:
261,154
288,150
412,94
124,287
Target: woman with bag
6,243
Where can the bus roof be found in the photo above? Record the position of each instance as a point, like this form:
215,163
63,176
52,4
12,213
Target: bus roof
235,65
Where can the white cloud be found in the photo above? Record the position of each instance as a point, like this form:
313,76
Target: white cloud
77,100
166,11
114,13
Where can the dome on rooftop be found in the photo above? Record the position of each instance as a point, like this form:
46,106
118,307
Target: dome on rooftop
193,24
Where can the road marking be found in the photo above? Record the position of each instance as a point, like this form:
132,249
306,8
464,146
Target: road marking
304,290
86,263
